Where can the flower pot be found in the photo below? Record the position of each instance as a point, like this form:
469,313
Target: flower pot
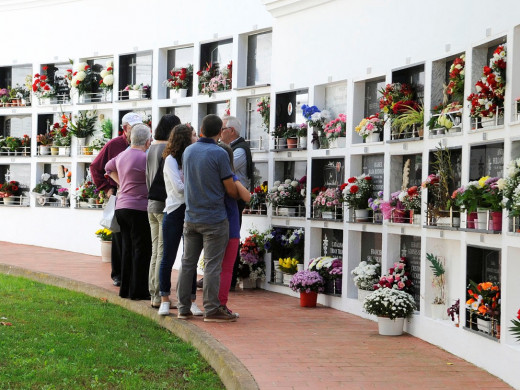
361,215
338,286
438,311
95,152
327,214
388,327
496,220
107,95
372,137
470,224
9,200
303,142
278,276
299,267
292,143
81,141
248,283
286,278
44,150
329,286
484,325
400,216
286,211
482,219
415,217
178,94
106,251
64,151
308,299
91,201
55,150
280,143
339,142
134,94
362,294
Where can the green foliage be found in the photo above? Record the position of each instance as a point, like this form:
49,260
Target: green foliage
106,128
409,118
84,124
515,329
65,340
436,266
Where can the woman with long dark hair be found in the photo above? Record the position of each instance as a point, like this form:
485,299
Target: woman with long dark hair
181,137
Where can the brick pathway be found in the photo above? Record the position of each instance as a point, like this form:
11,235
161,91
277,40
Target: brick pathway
288,347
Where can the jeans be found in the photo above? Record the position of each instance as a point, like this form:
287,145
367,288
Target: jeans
172,233
241,206
156,231
213,238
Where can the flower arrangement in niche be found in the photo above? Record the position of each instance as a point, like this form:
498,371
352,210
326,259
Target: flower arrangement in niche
44,139
84,124
264,109
490,88
484,298
389,303
455,87
306,281
104,234
181,78
288,265
411,198
212,79
328,199
60,132
439,279
252,264
357,191
370,125
375,203
285,243
454,310
10,188
511,189
329,268
46,186
395,98
84,79
336,127
315,117
366,274
258,196
107,82
397,278
87,190
40,86
288,193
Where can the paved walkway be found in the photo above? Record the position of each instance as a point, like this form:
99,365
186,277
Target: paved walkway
288,347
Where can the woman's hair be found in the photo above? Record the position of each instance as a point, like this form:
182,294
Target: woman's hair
165,126
180,139
140,133
229,151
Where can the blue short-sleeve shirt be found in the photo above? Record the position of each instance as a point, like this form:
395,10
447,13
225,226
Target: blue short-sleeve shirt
205,165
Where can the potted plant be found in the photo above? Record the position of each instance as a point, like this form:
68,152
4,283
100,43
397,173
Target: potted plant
288,266
62,196
180,81
212,79
309,284
365,276
137,91
315,117
331,270
86,194
25,142
12,144
410,122
391,307
370,128
336,132
453,312
397,278
257,203
252,265
375,205
83,126
280,136
106,129
287,198
9,190
484,305
302,135
105,236
96,145
492,197
41,87
411,200
44,141
327,204
438,283
44,189
356,192
291,135
86,80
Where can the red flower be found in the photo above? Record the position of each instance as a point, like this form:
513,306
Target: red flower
47,88
43,77
412,191
354,189
100,82
87,67
351,180
37,75
368,178
199,73
109,69
43,84
487,70
342,187
35,88
14,187
78,82
69,70
45,68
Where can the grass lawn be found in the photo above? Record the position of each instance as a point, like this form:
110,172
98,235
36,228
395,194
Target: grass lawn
51,338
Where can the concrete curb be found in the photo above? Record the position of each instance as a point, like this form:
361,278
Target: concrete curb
231,371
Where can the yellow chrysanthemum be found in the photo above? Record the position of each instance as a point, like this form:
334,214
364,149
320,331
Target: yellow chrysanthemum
482,181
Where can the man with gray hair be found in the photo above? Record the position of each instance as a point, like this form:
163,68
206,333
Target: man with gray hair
104,183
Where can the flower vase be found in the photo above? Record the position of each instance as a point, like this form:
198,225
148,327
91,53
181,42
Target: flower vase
44,150
299,267
482,219
438,311
64,202
106,251
9,200
496,220
292,143
308,299
280,143
286,278
470,224
361,215
54,150
303,142
327,215
278,275
338,286
400,216
64,151
107,95
372,137
132,94
81,141
388,327
362,294
484,325
248,283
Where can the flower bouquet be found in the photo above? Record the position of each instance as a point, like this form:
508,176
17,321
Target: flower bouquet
86,192
327,204
287,197
252,264
397,278
107,81
44,190
288,265
257,203
181,79
336,128
511,189
84,124
137,91
315,117
369,126
264,109
212,80
331,270
366,274
484,303
356,193
9,189
84,80
306,281
104,234
41,87
488,101
375,205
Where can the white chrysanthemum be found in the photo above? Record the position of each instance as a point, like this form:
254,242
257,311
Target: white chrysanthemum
103,73
276,183
45,176
109,64
287,181
73,82
81,75
109,79
281,188
294,183
81,66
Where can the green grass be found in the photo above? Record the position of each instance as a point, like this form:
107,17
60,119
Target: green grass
61,339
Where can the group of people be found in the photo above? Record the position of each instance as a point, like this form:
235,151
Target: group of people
177,185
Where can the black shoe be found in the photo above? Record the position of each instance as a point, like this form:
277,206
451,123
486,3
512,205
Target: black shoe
117,281
200,283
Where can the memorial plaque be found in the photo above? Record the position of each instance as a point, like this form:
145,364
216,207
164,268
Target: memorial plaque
486,160
332,243
411,249
373,166
371,246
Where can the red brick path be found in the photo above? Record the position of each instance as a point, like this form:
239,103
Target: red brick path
288,347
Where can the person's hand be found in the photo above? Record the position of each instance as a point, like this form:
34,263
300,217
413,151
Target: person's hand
110,192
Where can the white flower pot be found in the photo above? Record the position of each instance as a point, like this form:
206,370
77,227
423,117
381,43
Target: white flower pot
303,142
339,142
248,283
286,211
439,312
327,214
482,219
388,327
44,150
106,251
95,152
81,141
299,267
64,150
9,200
362,294
181,93
107,95
361,215
373,137
484,325
134,94
286,278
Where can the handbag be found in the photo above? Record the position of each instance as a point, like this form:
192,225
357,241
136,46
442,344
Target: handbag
109,219
157,190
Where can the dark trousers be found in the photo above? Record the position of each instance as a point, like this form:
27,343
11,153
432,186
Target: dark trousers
136,253
241,207
116,256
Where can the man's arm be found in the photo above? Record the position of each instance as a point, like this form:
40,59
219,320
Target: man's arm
243,192
230,187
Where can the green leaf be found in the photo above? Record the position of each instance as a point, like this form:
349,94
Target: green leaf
436,266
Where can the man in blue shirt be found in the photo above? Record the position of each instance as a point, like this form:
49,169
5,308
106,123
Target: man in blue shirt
207,177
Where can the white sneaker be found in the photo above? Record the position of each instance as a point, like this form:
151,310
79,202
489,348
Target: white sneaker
164,309
195,310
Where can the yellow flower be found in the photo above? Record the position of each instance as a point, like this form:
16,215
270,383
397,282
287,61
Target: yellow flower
482,181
